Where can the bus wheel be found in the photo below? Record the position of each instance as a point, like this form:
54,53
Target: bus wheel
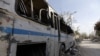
62,50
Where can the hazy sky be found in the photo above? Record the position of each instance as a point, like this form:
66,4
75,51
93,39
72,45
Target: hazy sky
88,11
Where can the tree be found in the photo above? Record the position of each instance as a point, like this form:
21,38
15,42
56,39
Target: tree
84,35
92,35
77,32
97,28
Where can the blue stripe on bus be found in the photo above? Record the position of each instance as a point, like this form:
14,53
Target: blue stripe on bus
25,32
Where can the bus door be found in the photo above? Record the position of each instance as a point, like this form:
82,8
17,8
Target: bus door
56,37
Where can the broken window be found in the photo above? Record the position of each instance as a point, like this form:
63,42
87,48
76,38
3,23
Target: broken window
32,10
56,20
62,25
51,20
44,17
65,28
69,30
23,7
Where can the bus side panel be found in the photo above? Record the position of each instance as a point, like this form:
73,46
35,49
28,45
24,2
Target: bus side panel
28,30
5,33
13,49
3,48
50,47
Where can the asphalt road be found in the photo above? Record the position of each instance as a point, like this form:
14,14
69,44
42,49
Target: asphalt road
89,48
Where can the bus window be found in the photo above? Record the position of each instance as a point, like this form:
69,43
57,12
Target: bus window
55,23
51,20
30,8
69,30
43,16
23,7
54,20
63,26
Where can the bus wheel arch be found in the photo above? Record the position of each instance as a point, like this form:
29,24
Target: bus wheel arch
62,49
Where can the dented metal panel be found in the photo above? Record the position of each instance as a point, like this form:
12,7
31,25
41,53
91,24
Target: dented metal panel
8,5
6,21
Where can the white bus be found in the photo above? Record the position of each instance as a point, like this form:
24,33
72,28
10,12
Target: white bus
32,28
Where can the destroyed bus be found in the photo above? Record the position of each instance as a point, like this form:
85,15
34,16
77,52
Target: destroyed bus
33,28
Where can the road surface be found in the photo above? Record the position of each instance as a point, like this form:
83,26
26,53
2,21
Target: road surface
89,48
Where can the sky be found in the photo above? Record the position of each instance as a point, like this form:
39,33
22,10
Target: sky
88,12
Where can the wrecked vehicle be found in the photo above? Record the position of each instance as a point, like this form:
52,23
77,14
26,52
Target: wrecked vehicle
32,28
